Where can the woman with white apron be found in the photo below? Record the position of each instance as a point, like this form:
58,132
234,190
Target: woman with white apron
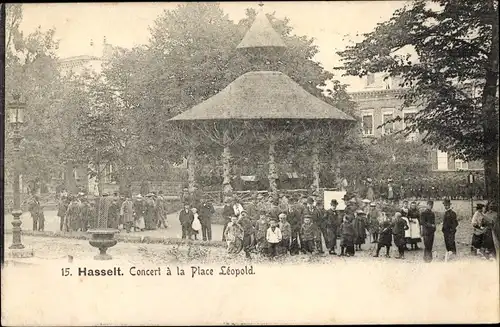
404,215
414,219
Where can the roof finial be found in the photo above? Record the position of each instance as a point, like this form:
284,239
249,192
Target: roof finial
261,33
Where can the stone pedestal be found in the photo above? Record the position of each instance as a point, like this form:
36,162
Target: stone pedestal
19,253
103,239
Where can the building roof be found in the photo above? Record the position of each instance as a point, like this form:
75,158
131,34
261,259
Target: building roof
82,57
263,95
261,35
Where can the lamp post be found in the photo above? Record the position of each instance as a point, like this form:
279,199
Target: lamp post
16,119
471,187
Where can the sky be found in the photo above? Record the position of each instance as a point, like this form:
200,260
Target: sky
333,24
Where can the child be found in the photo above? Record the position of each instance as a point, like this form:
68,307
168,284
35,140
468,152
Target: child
273,237
307,235
398,230
260,232
195,225
286,233
385,238
234,236
359,225
347,233
247,226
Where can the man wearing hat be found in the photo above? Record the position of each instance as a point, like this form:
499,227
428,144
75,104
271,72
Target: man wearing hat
428,223
72,214
360,229
294,217
322,223
333,223
149,212
373,221
450,224
62,206
186,218
206,212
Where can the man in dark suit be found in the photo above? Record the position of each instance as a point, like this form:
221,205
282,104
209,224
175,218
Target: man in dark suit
186,218
450,224
322,224
333,223
294,217
428,223
227,213
206,212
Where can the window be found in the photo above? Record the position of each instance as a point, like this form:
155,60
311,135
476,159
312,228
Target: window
442,160
367,122
461,165
408,115
387,115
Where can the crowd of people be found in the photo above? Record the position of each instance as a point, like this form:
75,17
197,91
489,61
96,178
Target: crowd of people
418,190
302,225
77,212
276,226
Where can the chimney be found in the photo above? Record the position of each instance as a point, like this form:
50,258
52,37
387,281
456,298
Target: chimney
91,42
104,40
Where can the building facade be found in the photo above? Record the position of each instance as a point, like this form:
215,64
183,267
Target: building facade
380,101
76,177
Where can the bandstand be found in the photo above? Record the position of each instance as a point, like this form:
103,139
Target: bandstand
268,103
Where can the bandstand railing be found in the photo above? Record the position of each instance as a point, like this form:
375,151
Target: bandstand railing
245,196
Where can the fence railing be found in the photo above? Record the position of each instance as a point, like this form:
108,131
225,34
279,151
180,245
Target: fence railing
245,196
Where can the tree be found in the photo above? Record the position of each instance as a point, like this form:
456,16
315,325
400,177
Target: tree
456,44
31,69
99,134
184,64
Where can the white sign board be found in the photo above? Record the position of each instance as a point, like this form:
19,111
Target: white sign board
331,195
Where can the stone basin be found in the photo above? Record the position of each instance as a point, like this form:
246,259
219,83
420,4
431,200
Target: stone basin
103,238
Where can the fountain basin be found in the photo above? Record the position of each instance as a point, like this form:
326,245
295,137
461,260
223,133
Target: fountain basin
103,239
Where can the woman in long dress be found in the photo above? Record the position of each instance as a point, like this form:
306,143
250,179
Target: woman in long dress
139,214
127,214
488,224
414,225
477,224
360,228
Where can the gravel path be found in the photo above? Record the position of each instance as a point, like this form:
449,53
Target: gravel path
48,248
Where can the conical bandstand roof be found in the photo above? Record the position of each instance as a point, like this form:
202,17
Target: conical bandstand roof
263,95
261,35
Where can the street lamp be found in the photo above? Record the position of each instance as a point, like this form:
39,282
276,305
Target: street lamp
471,188
16,119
